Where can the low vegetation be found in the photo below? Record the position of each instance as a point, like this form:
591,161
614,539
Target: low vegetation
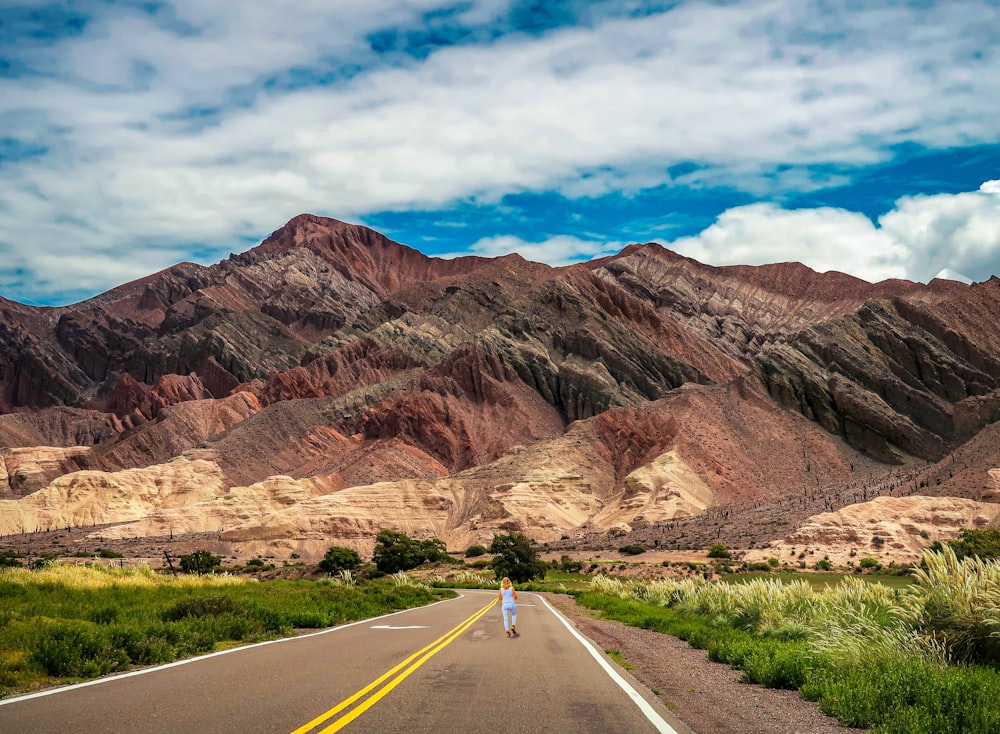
66,622
922,658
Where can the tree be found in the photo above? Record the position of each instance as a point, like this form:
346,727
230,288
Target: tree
719,550
515,556
395,551
199,562
338,558
984,543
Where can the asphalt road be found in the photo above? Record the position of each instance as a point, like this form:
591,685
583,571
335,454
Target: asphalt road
443,668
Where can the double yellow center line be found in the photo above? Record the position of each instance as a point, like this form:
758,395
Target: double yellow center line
404,669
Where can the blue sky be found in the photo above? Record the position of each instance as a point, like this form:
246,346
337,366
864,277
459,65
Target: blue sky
854,136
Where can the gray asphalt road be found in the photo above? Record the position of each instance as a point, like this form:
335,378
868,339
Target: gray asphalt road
443,668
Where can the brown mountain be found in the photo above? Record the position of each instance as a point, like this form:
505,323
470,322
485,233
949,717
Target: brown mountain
642,393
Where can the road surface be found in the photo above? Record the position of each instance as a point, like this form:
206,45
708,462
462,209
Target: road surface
443,668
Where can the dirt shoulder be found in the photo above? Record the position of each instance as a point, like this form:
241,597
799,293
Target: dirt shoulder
703,694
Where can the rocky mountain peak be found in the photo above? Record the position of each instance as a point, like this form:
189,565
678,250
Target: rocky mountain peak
370,385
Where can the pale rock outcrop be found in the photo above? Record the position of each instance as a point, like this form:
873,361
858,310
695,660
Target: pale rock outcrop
886,528
239,506
95,497
992,491
664,489
25,470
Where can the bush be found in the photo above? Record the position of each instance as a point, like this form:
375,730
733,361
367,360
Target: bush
108,553
338,559
474,551
395,551
983,543
718,550
199,562
69,650
568,565
871,563
10,559
631,550
823,564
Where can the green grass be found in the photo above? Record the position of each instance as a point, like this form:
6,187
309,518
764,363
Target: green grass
615,654
73,623
913,658
819,579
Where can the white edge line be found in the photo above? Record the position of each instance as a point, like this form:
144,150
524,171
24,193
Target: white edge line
642,703
186,661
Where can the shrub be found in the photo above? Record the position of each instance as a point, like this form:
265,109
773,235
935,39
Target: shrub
569,565
984,543
474,551
823,564
338,559
199,562
10,559
108,553
395,551
719,550
869,563
42,561
631,550
77,650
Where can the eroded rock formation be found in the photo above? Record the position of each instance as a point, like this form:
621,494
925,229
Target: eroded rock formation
341,382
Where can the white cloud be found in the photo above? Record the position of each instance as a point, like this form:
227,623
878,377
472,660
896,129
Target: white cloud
920,237
824,239
555,251
741,88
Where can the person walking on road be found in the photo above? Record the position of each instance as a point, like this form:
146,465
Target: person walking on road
508,606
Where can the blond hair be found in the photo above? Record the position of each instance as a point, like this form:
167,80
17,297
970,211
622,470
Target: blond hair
505,583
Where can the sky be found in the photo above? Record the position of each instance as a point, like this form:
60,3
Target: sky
848,135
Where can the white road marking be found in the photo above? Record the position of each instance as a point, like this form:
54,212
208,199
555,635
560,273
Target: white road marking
650,713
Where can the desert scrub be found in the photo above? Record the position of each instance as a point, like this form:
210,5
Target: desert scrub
74,622
923,658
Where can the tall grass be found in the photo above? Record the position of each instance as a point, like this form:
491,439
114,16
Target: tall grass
925,658
73,622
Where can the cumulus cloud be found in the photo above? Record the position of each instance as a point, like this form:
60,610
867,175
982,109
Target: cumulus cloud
918,239
194,124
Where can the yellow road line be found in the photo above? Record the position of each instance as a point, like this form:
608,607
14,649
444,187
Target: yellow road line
428,651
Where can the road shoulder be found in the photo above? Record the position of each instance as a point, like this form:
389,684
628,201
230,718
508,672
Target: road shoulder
705,695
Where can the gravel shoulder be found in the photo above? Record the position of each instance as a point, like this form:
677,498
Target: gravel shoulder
705,695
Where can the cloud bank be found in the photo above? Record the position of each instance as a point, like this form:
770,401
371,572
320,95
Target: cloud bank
138,135
916,240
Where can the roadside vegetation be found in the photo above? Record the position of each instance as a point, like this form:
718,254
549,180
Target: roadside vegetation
61,623
909,660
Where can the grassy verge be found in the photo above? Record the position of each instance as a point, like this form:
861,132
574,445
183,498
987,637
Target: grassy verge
819,579
900,661
67,623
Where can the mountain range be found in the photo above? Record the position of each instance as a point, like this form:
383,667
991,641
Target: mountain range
330,383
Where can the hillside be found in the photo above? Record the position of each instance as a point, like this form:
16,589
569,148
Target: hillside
332,382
